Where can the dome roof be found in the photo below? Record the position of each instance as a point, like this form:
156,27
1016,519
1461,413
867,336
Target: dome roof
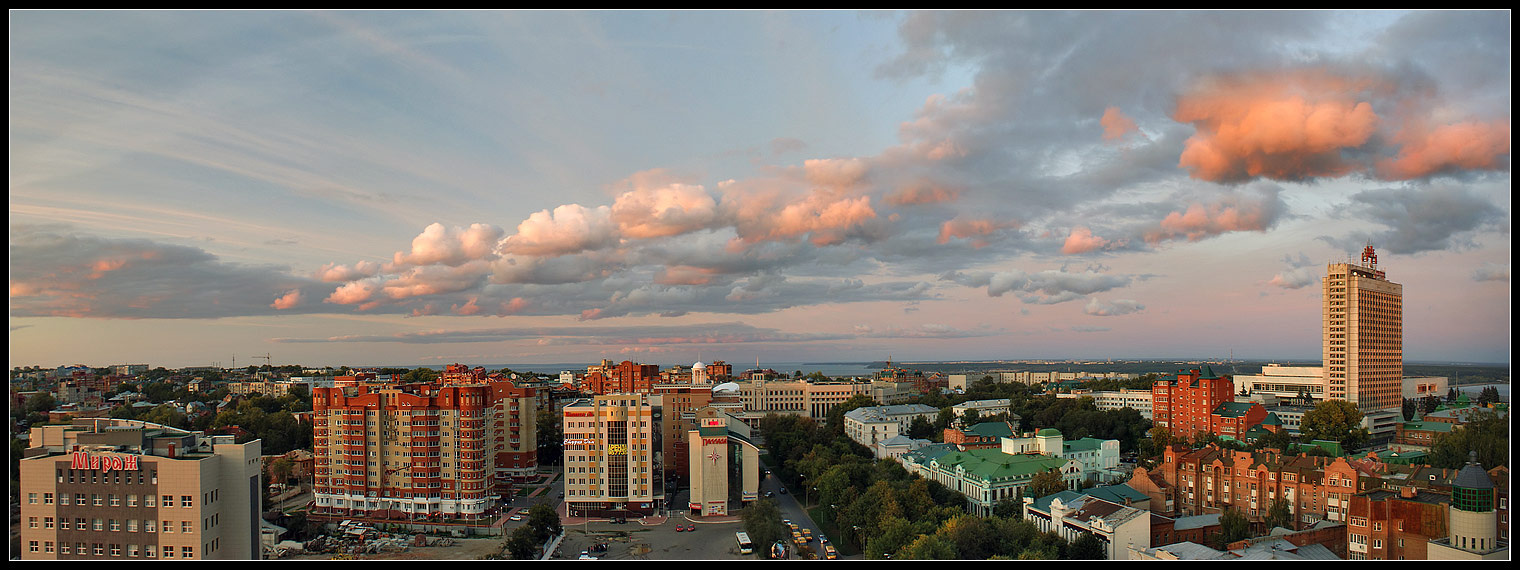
698,365
1472,475
1048,432
726,387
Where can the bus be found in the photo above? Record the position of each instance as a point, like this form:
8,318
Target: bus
745,546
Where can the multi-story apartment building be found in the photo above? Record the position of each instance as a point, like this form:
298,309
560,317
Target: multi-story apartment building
1209,479
1199,400
111,489
1363,335
984,408
871,425
613,462
626,377
1109,400
1395,525
439,450
679,403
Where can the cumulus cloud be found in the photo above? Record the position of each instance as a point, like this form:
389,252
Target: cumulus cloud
1290,125
571,228
1116,307
1082,240
290,299
333,272
451,246
663,211
1254,209
1447,148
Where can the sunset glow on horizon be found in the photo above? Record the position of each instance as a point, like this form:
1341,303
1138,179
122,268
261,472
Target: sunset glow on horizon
422,188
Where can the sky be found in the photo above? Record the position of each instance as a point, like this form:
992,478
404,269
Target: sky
423,188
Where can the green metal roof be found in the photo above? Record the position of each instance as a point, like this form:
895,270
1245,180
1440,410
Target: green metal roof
1233,409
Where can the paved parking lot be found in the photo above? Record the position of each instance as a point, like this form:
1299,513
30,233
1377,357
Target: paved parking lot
635,541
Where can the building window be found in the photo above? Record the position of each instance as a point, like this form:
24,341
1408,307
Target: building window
168,552
47,498
187,500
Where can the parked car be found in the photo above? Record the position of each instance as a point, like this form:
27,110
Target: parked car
516,517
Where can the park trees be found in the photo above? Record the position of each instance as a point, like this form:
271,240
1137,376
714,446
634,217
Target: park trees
1335,420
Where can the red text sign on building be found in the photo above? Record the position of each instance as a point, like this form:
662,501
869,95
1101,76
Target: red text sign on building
106,463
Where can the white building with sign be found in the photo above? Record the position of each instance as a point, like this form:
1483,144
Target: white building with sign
125,490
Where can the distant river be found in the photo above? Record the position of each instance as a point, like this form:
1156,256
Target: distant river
1472,391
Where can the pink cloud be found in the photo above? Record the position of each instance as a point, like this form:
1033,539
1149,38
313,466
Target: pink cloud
1081,240
836,172
515,306
1289,125
921,194
331,272
467,309
975,230
1115,124
1461,146
570,228
438,244
663,211
1205,220
354,292
289,299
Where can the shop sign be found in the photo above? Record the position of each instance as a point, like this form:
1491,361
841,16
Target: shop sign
105,463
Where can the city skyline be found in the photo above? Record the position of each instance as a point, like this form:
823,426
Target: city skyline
338,188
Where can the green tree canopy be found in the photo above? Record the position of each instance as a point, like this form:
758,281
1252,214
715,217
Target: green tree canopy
1233,526
1335,420
762,522
1046,483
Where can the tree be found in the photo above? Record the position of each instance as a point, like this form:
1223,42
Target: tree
1046,483
1489,395
522,545
551,441
762,521
1086,547
920,428
1335,420
1279,514
930,547
544,521
1487,434
1233,526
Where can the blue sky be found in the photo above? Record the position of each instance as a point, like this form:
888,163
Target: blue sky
494,187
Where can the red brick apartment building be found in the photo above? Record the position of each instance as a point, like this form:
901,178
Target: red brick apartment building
1200,400
446,450
1207,480
623,378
